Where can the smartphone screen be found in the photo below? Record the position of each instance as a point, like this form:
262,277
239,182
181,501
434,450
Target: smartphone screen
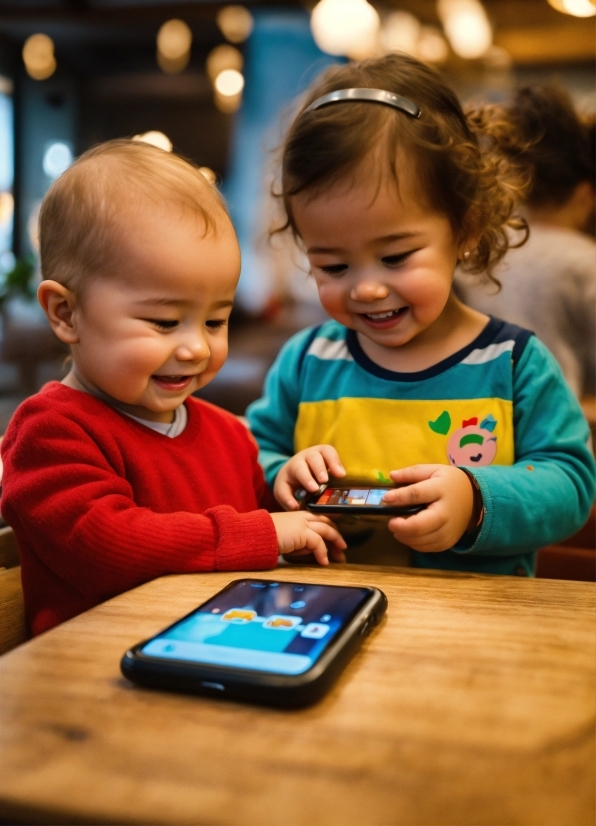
278,627
353,497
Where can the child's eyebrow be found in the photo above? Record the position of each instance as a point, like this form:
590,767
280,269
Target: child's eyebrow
169,302
396,236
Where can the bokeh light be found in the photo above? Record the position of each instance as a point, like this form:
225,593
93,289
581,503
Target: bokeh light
174,40
221,58
155,138
432,46
57,158
235,23
577,8
208,173
228,83
467,27
345,27
400,32
38,56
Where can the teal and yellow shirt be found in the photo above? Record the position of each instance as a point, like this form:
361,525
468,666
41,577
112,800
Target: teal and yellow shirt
500,407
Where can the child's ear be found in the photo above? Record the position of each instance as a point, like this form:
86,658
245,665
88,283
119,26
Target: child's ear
58,303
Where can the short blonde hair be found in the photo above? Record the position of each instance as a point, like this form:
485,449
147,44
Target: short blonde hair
81,214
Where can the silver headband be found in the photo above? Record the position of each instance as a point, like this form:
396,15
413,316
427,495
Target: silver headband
371,95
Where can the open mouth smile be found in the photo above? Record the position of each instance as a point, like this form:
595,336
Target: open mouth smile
386,318
174,383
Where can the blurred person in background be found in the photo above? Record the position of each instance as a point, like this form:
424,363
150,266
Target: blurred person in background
549,284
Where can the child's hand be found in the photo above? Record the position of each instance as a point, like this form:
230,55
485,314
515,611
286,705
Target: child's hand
304,533
308,470
450,497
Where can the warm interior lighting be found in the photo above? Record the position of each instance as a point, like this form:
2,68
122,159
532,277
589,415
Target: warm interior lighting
577,8
432,46
345,27
235,23
221,58
6,208
174,40
155,138
57,158
209,174
498,58
400,32
229,83
466,25
38,56
228,104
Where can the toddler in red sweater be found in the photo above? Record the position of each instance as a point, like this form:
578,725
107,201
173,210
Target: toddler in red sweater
117,475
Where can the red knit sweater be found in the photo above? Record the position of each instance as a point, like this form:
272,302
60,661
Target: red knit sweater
100,503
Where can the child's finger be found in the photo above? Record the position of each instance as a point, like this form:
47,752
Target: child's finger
415,473
314,543
329,534
285,496
317,465
414,527
304,475
420,493
332,459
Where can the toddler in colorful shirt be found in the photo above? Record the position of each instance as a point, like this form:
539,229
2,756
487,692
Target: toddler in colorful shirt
388,186
116,475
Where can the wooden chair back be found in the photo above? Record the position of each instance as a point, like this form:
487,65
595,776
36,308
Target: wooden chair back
13,625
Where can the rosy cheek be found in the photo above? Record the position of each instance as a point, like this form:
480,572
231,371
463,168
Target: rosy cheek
331,299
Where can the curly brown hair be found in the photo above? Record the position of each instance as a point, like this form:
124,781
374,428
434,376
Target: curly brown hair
462,169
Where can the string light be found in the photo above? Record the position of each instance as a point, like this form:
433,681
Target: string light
174,40
57,158
155,138
466,25
345,27
209,174
38,56
577,8
400,32
221,58
235,23
229,83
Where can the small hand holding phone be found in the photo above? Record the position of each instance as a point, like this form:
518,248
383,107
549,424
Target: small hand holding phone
279,643
356,500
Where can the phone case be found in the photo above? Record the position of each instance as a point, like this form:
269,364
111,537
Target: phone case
309,500
258,686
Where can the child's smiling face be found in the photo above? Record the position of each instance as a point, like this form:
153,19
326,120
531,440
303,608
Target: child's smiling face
155,331
382,260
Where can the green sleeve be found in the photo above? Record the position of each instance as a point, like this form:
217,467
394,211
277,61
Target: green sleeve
273,417
546,495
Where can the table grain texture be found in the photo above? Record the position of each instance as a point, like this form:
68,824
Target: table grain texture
472,703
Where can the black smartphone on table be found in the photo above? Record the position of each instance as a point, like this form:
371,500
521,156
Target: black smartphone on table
355,499
279,643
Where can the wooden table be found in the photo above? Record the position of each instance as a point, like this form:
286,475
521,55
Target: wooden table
472,703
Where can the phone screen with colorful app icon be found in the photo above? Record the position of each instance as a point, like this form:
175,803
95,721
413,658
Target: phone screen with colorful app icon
277,627
356,499
258,640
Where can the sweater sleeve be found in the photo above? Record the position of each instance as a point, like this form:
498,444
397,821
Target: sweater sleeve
546,495
65,499
273,417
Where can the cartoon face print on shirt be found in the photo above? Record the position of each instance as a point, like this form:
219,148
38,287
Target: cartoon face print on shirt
471,444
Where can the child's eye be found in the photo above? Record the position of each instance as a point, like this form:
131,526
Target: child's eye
334,269
163,323
396,260
216,323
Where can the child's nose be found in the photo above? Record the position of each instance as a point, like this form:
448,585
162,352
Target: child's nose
369,290
194,347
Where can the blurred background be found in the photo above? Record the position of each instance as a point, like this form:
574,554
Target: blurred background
216,82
